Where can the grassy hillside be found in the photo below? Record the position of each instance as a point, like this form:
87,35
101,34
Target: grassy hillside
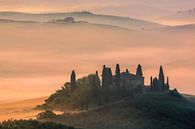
150,111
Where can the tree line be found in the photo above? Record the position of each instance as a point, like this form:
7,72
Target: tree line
108,89
99,89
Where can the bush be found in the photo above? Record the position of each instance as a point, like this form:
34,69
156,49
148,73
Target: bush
31,124
46,115
175,93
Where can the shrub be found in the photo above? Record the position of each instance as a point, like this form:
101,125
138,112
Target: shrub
46,115
31,124
175,93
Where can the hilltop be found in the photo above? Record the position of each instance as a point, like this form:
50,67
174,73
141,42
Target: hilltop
119,101
92,91
149,111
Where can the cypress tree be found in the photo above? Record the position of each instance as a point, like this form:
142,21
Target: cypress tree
104,76
109,76
97,85
151,81
168,86
73,80
139,70
105,83
98,92
93,84
97,79
155,85
118,79
161,77
96,72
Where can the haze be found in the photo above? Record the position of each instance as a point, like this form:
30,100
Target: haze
37,58
145,9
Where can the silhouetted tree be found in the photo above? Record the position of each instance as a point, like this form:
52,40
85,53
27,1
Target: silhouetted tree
151,81
161,77
104,77
118,79
105,83
31,124
99,95
155,85
168,86
139,70
82,96
73,80
94,82
97,79
109,76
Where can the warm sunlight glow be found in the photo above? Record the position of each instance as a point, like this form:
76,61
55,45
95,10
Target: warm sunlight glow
97,64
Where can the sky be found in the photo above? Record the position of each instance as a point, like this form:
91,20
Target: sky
36,59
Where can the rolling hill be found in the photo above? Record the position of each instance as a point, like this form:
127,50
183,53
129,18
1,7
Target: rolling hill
186,28
150,111
180,18
125,22
148,9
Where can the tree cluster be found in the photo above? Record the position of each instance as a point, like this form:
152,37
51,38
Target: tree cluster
158,84
91,90
95,90
31,124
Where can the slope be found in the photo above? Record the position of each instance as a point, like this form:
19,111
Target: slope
150,111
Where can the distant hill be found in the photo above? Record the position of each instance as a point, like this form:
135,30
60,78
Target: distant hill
189,27
185,29
150,111
62,22
14,21
125,22
6,20
181,17
190,11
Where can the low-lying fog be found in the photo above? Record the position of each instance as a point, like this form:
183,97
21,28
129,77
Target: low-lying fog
36,59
